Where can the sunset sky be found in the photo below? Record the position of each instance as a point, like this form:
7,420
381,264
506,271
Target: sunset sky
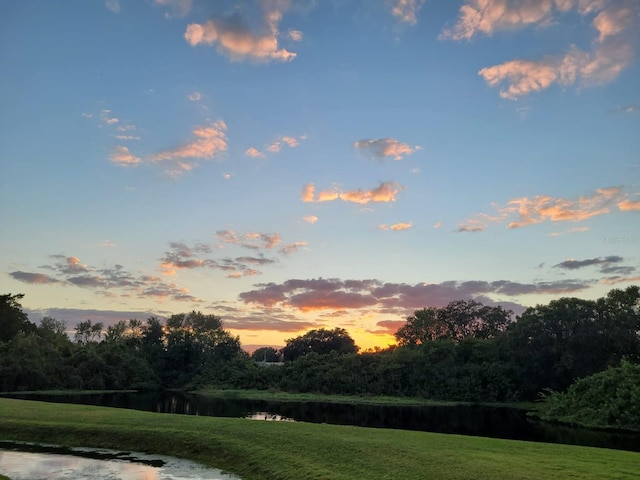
290,165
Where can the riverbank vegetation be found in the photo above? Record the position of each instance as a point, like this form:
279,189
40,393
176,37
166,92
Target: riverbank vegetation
609,399
284,450
463,352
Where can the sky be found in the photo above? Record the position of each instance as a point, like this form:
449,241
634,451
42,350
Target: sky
293,165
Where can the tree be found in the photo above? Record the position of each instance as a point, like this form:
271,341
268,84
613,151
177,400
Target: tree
88,332
12,319
321,341
265,354
458,320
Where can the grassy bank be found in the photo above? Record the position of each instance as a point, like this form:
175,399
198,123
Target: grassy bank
283,450
277,396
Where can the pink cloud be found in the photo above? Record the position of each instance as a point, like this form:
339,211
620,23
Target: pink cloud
310,219
122,157
253,152
233,37
385,192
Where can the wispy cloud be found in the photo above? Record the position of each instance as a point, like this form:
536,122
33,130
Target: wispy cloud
310,219
524,211
112,5
36,278
295,35
210,141
396,226
107,281
122,157
385,147
195,96
178,8
385,192
233,37
406,10
634,108
572,264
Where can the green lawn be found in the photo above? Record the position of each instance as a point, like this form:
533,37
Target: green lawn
283,450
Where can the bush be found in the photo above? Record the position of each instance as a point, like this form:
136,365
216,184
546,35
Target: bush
609,399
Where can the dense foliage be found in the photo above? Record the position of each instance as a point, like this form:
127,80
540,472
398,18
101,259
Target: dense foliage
609,399
464,351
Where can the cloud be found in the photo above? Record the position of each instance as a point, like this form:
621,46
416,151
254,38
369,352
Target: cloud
281,141
295,35
611,54
233,37
521,212
210,141
195,96
253,152
629,205
307,193
122,157
107,243
397,298
106,281
396,226
406,10
628,108
178,7
385,192
112,6
310,218
292,247
575,264
385,147
127,137
37,278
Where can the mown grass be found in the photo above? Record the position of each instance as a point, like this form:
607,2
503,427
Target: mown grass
283,450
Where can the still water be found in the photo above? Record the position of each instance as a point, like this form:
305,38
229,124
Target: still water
33,462
477,420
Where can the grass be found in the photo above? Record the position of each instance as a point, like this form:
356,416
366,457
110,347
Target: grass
278,396
257,450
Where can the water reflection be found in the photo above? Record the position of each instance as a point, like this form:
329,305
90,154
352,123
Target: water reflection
33,465
474,420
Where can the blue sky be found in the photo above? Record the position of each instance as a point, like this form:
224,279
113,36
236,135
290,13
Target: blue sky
290,165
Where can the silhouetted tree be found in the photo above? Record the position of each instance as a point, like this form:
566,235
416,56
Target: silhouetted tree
321,341
12,319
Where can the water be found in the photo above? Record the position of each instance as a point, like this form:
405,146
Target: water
477,420
22,461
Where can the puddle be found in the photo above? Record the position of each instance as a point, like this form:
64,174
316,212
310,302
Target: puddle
28,461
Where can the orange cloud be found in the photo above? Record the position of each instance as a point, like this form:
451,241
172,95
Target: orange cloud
386,147
307,193
385,192
543,208
209,142
396,226
121,156
234,38
629,205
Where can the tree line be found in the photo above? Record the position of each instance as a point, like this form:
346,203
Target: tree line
465,351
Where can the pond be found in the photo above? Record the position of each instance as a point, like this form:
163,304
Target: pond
477,420
26,461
